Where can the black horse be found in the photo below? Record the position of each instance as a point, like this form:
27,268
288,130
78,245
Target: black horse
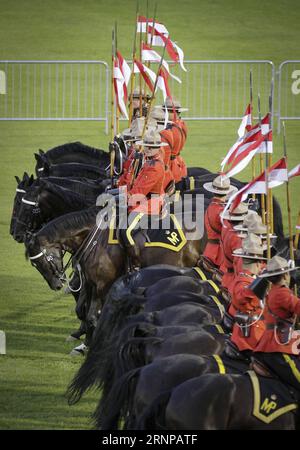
22,187
45,201
72,152
80,170
217,402
134,392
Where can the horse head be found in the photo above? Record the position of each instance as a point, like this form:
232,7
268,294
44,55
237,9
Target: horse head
47,258
29,214
41,163
22,187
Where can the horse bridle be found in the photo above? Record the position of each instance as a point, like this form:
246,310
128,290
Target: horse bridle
50,259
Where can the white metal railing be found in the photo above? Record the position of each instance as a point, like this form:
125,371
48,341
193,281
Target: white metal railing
54,90
80,90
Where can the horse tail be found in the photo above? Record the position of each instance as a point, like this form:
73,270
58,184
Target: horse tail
132,352
113,318
278,222
118,402
84,379
154,416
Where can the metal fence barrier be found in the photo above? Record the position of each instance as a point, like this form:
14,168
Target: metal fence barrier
80,90
54,90
219,90
288,91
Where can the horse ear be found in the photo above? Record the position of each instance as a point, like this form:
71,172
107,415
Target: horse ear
18,179
37,156
25,176
31,179
41,152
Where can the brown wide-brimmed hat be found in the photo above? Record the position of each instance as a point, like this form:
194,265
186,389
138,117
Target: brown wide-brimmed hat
135,132
252,248
152,138
253,224
172,104
237,214
137,93
278,266
159,115
220,185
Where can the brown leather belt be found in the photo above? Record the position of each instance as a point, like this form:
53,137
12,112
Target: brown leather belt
213,241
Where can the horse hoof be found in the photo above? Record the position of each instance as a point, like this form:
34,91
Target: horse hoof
81,350
72,338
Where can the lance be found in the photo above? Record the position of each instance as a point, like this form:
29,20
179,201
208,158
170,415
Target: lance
254,158
268,219
140,79
112,123
288,197
297,232
133,58
270,154
261,163
117,109
148,114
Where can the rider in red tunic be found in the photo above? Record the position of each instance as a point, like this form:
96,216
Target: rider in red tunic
146,195
167,137
244,302
130,136
279,347
230,241
179,130
213,225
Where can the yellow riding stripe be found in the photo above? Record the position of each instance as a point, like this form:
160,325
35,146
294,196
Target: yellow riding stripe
220,329
200,273
256,406
192,183
219,361
131,227
177,196
214,286
111,239
292,365
219,304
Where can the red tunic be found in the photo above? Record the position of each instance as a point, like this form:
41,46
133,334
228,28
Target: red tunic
167,137
213,226
231,265
183,127
125,178
245,301
282,303
149,181
178,167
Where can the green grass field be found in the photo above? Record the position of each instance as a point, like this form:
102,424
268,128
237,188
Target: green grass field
36,370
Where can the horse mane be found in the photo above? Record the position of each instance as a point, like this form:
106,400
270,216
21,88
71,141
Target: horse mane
67,223
76,146
64,193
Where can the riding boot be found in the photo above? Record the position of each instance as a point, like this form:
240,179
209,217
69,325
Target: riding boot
134,257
